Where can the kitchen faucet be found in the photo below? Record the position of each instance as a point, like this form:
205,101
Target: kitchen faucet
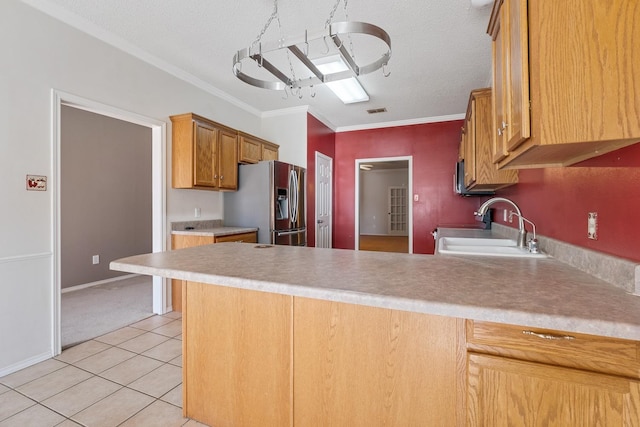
522,233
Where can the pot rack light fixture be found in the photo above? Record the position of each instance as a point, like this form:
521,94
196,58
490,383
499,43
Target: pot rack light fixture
322,58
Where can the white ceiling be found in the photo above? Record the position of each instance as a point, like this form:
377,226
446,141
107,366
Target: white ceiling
440,49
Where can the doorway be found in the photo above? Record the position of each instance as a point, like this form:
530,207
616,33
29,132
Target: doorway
158,204
383,204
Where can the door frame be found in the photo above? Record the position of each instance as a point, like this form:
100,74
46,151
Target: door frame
356,221
161,302
330,159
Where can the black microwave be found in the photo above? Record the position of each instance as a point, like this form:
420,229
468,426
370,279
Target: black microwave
460,188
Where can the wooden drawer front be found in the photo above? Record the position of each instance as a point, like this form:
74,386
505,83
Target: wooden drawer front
596,353
243,237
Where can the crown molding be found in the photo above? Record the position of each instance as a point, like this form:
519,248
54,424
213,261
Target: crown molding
109,38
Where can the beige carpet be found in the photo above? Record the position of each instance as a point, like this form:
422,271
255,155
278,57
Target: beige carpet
91,312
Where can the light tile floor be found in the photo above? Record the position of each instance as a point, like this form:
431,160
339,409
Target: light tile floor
129,377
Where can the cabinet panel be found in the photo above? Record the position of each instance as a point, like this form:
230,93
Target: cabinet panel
243,237
500,92
511,393
238,374
480,171
518,124
253,149
228,159
366,366
269,152
250,149
205,155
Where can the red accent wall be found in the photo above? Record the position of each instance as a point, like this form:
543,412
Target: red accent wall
322,139
434,148
558,200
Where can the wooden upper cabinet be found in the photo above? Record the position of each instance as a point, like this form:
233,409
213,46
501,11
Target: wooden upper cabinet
228,159
566,75
253,149
480,171
204,154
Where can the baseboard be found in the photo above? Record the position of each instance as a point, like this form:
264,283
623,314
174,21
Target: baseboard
25,363
99,282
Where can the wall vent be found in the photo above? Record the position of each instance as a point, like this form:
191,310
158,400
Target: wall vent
377,110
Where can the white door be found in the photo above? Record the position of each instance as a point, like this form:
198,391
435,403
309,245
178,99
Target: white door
397,221
324,197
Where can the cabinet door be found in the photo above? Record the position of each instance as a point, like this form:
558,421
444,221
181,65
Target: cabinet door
470,145
250,149
509,393
228,159
269,152
366,366
517,59
500,92
204,155
237,356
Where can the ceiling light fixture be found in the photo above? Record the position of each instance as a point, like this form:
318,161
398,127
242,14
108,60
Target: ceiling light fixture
269,58
349,90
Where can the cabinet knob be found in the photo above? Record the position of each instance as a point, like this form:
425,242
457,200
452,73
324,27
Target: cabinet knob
221,177
215,176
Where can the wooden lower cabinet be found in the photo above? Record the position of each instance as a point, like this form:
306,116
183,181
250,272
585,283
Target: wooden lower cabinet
261,359
363,366
236,356
511,393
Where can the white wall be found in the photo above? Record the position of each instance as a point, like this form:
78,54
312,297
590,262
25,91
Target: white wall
374,198
288,128
40,53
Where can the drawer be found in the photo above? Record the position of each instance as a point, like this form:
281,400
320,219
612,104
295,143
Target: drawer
590,352
242,237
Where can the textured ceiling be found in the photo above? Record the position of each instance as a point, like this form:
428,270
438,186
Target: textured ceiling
440,49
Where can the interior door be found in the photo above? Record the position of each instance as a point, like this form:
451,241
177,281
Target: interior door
397,221
323,200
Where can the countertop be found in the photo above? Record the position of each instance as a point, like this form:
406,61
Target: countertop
215,231
543,293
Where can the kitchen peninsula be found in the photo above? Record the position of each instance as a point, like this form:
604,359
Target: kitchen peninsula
355,336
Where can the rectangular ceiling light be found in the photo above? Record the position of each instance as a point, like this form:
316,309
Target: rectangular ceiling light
348,90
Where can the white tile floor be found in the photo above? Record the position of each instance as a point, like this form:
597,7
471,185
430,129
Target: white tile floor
130,377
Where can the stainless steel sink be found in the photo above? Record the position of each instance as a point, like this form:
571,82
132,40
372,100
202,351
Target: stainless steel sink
484,247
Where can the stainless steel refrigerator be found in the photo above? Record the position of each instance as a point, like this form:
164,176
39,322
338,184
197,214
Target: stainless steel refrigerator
271,196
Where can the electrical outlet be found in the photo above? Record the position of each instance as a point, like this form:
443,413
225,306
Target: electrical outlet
416,197
510,216
197,213
592,225
96,259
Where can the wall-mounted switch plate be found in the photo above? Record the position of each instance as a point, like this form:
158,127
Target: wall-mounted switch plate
96,259
504,215
592,225
197,212
416,198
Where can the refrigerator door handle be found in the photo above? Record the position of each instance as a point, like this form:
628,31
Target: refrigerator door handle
289,233
293,196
